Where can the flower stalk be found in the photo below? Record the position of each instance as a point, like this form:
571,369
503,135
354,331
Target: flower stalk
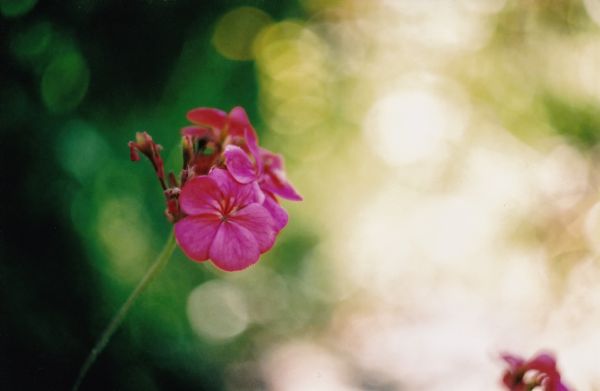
153,271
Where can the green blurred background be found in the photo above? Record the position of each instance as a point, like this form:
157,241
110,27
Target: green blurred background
447,152
81,223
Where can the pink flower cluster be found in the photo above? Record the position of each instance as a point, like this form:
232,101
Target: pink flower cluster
525,375
225,205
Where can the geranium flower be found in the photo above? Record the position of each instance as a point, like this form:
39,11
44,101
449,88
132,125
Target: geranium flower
244,159
540,371
226,221
224,204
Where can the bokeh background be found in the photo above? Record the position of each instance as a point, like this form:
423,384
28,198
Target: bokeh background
447,152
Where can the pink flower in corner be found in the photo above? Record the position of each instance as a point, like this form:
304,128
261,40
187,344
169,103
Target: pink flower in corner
540,371
226,221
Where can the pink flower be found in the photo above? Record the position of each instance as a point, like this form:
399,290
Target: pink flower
224,204
268,171
226,221
524,375
215,127
244,159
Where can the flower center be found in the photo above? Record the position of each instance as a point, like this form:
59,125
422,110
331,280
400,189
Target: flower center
227,208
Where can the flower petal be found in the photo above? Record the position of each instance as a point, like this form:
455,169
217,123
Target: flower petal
239,164
543,362
197,131
200,195
194,234
257,219
252,143
238,121
280,216
208,117
273,178
561,387
271,159
242,194
512,360
275,182
233,247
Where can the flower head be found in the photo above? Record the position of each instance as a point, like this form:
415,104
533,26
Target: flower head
226,221
540,371
224,205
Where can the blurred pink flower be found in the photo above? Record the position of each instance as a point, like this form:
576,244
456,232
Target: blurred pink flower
226,221
540,371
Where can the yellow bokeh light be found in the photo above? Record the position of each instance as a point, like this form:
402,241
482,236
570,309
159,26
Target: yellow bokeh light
122,228
414,124
445,200
217,310
236,30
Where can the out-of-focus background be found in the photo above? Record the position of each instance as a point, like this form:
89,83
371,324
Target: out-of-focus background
447,152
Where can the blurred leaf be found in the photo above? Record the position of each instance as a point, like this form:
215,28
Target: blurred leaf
579,123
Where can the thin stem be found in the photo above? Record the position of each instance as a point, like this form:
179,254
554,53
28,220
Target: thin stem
152,272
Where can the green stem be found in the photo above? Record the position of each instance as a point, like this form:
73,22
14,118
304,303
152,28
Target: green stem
152,272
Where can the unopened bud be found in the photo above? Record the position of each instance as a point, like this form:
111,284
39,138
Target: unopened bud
133,155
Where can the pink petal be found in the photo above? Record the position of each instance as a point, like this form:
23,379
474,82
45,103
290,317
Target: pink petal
233,247
200,195
512,360
240,126
242,194
238,121
197,131
256,219
194,234
271,159
544,363
273,177
275,182
239,164
561,387
252,143
224,180
280,216
208,117
259,194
